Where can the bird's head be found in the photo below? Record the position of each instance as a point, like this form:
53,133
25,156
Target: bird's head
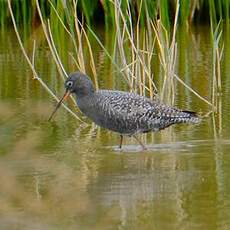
78,83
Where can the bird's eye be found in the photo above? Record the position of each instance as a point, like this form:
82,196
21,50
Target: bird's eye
69,84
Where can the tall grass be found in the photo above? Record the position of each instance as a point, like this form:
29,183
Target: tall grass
217,54
31,62
141,37
198,11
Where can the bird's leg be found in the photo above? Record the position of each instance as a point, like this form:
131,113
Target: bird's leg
139,141
121,139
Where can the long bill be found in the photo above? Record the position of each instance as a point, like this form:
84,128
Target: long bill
65,96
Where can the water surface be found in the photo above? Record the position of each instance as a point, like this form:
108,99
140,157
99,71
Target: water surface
67,174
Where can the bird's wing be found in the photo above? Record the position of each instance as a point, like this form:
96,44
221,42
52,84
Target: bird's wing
140,114
128,111
132,105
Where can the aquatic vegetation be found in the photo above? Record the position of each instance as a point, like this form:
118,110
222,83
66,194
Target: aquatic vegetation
69,174
217,54
198,11
32,62
145,31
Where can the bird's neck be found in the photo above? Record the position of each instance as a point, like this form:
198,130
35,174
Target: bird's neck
85,103
84,92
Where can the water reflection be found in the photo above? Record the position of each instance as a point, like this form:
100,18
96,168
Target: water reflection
70,175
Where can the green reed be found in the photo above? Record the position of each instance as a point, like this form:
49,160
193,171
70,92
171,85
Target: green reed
190,11
145,32
217,54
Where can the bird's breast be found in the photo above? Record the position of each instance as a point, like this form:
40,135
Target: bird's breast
106,116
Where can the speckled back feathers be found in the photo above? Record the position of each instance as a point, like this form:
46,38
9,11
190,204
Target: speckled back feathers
123,112
129,113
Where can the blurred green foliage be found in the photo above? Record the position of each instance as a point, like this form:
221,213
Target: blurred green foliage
103,12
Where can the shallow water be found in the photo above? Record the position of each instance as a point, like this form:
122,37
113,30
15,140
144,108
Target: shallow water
66,174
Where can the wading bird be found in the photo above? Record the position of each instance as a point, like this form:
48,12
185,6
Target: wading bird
122,112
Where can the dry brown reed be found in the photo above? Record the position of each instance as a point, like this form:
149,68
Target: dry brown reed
134,47
217,53
32,63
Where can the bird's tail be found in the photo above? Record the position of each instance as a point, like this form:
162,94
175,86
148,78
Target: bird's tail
191,117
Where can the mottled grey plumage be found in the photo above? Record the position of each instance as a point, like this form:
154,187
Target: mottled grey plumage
123,112
129,113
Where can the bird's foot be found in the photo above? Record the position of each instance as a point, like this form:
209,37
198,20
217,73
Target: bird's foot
139,141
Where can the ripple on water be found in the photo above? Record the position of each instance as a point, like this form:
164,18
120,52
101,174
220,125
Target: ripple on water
178,147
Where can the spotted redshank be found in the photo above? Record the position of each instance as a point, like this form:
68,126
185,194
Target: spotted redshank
122,112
